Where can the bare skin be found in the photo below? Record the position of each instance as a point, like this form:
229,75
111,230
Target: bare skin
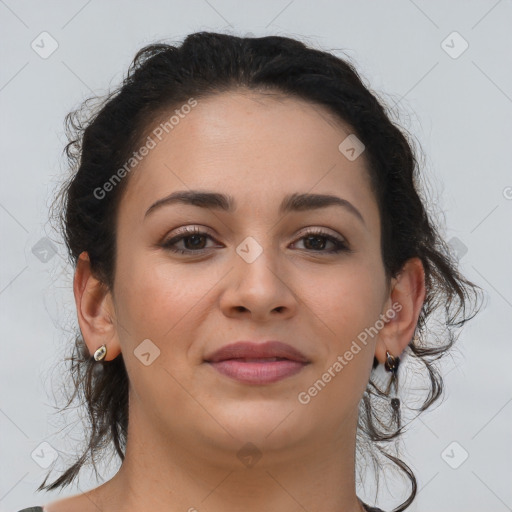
187,421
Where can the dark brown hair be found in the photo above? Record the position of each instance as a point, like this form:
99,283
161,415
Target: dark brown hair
163,76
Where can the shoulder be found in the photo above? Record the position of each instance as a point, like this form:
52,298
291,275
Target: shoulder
85,502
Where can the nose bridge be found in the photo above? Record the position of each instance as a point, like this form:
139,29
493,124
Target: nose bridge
257,259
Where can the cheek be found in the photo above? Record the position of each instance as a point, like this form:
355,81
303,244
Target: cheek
158,300
346,300
345,306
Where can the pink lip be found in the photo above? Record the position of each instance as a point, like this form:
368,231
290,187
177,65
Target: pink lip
252,363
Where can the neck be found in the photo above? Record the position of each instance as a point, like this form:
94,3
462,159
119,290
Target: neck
160,475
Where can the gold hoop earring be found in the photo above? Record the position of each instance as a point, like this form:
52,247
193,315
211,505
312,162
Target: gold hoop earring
100,353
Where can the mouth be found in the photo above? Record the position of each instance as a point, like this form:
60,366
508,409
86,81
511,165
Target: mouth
258,363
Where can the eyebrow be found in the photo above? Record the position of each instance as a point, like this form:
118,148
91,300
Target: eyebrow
296,202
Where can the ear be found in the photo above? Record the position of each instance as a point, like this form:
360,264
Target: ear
406,300
95,309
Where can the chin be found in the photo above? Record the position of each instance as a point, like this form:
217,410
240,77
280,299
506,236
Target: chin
265,422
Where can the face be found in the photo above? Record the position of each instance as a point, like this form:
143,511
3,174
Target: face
309,277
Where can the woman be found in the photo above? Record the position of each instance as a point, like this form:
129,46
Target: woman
251,252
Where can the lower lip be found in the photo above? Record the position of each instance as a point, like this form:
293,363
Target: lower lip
258,372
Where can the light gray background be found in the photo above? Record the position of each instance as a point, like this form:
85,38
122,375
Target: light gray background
460,109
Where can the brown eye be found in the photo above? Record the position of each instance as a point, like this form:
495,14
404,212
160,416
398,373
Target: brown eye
194,241
316,241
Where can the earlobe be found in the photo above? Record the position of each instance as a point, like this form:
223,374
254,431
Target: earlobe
95,310
406,300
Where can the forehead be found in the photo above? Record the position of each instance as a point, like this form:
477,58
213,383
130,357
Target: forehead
255,147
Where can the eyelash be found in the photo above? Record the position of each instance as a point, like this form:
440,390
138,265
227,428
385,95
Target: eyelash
340,246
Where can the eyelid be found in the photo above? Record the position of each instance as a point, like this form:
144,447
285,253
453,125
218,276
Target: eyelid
321,230
191,229
187,231
198,229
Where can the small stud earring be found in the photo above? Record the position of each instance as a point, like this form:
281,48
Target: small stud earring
100,353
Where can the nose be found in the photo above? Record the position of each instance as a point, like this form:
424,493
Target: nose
260,289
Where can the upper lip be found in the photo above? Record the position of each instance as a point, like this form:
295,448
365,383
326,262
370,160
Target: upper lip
251,350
